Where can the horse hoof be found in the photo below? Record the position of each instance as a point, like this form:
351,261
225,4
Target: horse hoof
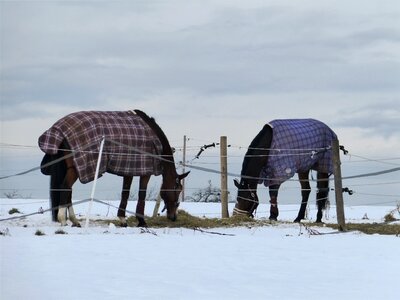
76,225
142,224
273,219
297,220
123,224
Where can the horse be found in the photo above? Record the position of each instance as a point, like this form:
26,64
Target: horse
281,149
134,145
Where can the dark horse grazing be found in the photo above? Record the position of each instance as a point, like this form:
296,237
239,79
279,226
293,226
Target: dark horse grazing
134,146
281,149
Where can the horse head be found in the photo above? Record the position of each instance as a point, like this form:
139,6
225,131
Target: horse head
170,192
247,199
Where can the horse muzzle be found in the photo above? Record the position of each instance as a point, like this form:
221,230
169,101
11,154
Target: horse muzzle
172,217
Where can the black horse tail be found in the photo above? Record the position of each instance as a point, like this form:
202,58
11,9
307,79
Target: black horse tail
57,173
324,201
323,190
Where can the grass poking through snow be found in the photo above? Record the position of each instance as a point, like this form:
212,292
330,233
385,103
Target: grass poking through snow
186,220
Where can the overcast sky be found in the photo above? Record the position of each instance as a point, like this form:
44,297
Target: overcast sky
203,69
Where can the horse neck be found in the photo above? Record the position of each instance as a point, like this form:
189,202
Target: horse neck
168,167
167,162
257,156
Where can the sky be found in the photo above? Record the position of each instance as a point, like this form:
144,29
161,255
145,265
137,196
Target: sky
203,69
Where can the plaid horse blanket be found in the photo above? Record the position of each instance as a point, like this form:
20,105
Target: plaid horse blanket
83,131
298,145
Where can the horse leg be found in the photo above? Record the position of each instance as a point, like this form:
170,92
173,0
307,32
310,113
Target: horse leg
322,194
66,195
305,194
144,180
273,194
126,186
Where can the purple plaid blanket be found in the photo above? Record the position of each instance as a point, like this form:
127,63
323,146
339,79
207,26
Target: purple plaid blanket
84,131
298,145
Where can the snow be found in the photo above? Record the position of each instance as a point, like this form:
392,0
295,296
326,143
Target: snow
281,261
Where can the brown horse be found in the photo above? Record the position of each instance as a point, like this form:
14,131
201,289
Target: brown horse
281,149
134,146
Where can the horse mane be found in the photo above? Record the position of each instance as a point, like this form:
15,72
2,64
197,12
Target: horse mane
257,154
167,150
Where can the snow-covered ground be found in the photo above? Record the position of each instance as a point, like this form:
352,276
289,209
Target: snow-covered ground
282,261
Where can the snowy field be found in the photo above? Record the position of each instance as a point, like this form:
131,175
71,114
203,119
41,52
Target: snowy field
281,261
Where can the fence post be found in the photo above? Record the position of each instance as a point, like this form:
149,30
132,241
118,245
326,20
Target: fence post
338,184
224,176
96,175
183,164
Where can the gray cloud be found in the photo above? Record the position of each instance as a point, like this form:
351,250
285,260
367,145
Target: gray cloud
203,68
381,119
82,55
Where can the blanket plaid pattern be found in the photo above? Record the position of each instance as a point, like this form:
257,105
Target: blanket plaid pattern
298,145
84,131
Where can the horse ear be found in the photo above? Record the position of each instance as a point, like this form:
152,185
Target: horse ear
180,177
236,182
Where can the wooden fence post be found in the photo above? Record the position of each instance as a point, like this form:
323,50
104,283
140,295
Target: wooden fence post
183,169
337,173
224,176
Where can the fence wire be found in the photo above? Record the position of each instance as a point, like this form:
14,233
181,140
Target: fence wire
387,161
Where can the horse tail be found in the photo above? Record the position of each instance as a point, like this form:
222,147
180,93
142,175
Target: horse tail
324,201
323,190
57,173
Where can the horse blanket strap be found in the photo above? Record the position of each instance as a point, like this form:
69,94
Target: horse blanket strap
298,145
237,211
84,131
